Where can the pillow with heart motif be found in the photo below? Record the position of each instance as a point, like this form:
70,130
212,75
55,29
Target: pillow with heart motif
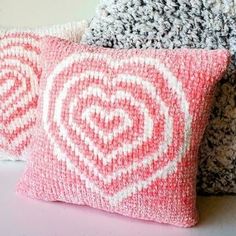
119,130
19,78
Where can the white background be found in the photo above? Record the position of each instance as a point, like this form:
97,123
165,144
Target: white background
44,12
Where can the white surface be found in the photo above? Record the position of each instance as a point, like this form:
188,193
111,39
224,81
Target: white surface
20,216
44,12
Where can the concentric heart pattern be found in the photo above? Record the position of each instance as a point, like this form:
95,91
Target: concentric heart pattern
19,78
113,128
119,130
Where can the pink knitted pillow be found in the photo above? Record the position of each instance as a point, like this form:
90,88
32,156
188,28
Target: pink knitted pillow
119,130
19,77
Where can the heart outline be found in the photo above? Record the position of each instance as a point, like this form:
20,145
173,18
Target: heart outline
172,82
128,122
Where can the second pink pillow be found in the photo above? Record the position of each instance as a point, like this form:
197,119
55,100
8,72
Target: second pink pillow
20,74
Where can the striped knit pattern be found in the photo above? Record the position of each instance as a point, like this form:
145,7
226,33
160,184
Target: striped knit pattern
119,130
20,73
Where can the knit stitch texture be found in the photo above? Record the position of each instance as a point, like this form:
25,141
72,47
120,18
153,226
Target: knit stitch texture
20,73
183,24
119,130
225,6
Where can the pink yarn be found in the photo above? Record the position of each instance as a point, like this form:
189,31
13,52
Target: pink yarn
119,130
19,78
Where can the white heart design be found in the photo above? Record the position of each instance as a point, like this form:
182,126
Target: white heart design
106,137
125,148
172,83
